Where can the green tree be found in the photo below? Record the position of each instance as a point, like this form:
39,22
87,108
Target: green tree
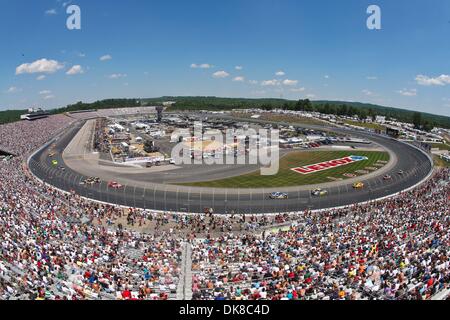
417,120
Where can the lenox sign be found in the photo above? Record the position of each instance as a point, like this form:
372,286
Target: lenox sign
329,164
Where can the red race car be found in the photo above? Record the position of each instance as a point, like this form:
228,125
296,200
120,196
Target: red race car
115,185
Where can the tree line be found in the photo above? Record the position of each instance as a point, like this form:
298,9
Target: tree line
363,111
421,120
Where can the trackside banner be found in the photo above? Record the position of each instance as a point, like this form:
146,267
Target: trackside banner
329,164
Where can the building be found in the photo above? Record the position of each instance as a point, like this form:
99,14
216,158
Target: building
380,119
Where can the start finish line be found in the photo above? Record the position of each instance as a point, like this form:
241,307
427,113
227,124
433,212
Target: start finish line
329,164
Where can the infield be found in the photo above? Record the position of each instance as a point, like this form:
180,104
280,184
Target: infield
286,177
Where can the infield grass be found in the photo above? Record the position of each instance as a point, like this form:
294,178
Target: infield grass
288,178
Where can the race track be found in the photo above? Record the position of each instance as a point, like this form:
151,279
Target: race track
147,194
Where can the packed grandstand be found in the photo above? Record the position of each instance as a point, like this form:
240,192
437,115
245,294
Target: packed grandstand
396,249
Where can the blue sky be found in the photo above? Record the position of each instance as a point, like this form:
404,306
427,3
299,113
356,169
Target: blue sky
320,49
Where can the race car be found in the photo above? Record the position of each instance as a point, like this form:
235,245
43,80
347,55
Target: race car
54,163
90,181
358,185
387,177
51,155
401,172
319,192
279,196
114,185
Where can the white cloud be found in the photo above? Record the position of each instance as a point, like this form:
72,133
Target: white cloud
77,69
442,80
326,76
117,76
220,74
239,79
280,73
106,57
41,77
367,92
49,97
13,90
310,96
45,92
51,12
408,93
288,82
253,81
273,82
239,68
371,78
39,66
201,66
81,55
297,89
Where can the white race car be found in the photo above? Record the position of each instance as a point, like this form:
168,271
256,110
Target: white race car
319,192
279,196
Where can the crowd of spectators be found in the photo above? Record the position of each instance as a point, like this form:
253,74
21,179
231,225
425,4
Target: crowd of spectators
102,113
397,249
45,256
23,137
101,139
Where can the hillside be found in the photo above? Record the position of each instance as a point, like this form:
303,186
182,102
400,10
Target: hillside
362,110
11,115
330,107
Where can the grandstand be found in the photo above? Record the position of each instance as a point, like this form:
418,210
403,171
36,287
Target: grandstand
35,114
57,246
118,112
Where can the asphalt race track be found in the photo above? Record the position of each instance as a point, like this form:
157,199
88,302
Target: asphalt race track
415,164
